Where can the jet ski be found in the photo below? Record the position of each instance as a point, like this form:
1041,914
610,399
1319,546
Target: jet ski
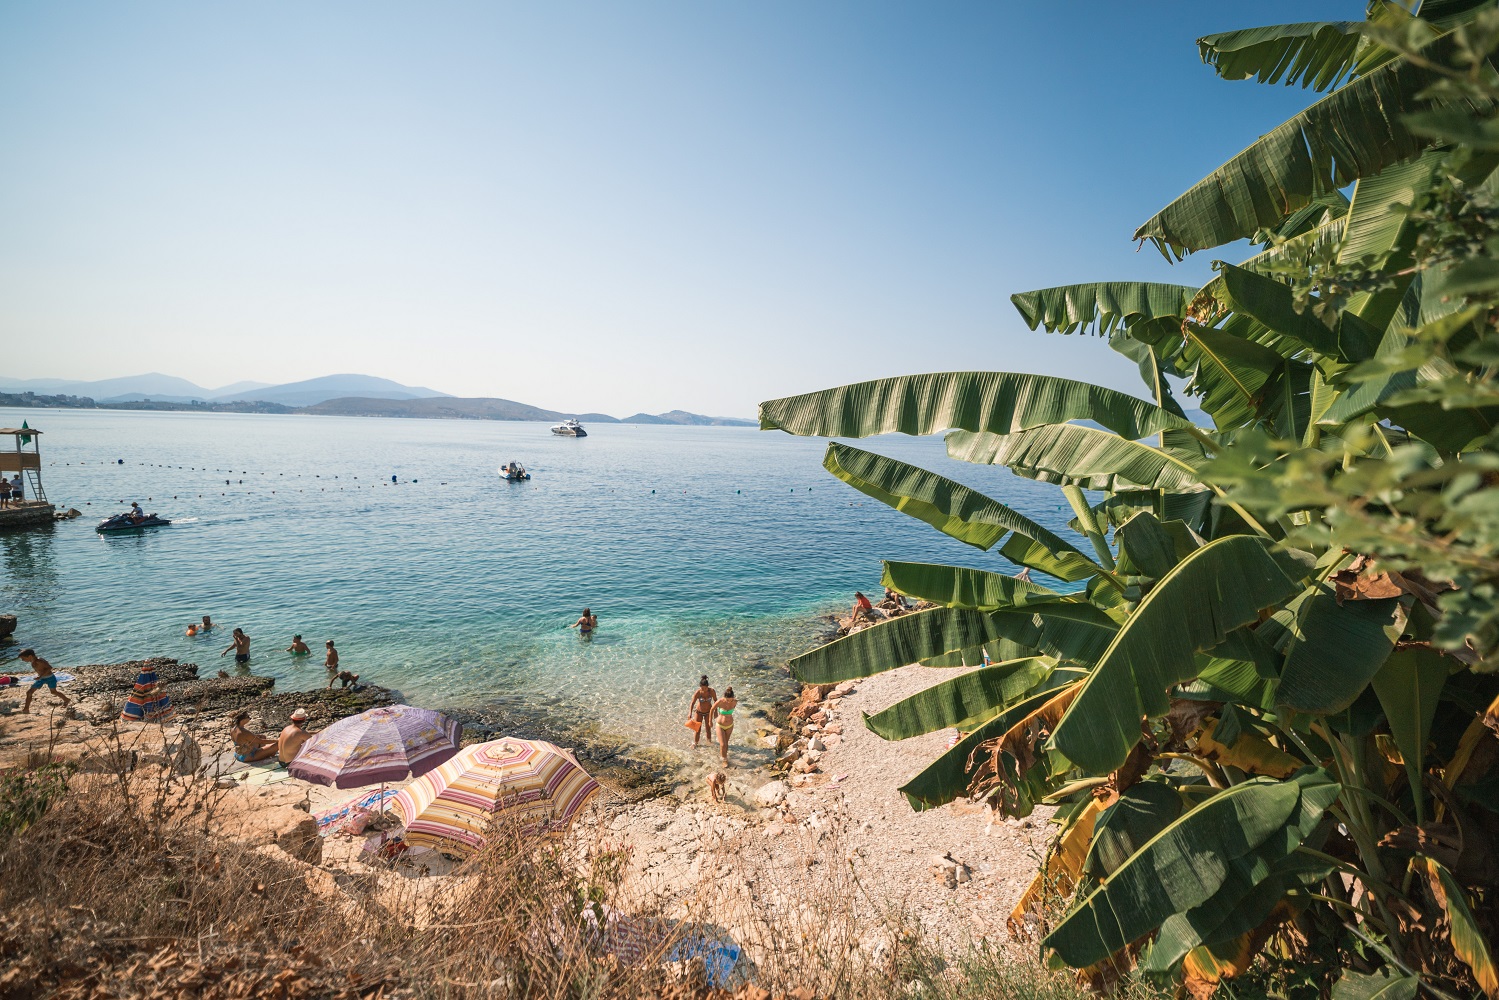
125,522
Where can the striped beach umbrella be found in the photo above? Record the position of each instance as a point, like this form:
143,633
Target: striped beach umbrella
381,745
451,807
147,702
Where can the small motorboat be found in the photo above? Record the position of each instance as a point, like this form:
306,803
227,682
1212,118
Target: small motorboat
514,472
570,428
128,522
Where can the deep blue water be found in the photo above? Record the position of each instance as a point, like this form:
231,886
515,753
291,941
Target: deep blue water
702,550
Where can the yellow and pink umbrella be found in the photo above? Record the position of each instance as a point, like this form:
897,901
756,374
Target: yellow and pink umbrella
538,784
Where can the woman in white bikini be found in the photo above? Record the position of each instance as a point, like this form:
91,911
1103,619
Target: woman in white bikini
701,710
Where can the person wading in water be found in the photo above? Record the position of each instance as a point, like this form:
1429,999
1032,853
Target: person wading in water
700,710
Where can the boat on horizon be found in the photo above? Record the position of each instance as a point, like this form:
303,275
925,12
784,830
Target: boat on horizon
570,428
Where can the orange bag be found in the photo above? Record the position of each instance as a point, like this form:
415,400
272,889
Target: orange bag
693,725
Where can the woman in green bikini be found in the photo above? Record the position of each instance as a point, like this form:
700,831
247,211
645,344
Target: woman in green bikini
723,720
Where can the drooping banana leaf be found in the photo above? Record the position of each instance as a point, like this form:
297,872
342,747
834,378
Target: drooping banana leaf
1468,937
1333,650
1172,873
1353,132
950,507
1070,454
1315,54
1068,566
1216,589
960,587
978,695
947,777
1154,363
1101,306
1408,685
1001,402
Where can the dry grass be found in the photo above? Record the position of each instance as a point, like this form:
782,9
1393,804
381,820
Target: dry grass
109,887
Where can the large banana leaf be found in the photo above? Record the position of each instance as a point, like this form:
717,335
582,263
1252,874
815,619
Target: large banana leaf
1353,132
1216,589
1237,908
976,696
1235,377
1408,686
1379,233
1128,824
1191,508
1180,868
1315,54
960,587
1068,630
1101,305
947,777
1273,304
1357,986
1152,547
1333,650
892,644
1071,454
950,507
1065,629
1000,402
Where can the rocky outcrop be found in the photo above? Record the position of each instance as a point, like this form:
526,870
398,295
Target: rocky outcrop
7,626
259,817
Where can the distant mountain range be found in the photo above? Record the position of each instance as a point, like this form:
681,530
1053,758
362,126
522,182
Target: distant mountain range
344,395
161,388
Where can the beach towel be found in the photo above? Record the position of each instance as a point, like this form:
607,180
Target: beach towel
261,774
346,817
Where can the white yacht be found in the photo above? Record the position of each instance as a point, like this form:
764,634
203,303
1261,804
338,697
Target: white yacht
570,428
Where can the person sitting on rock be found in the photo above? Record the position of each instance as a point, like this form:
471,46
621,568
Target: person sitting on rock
250,747
897,599
289,743
862,607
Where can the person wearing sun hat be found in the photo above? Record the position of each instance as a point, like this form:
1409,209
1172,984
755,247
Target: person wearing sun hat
289,743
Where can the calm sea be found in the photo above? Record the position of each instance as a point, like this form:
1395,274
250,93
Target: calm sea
702,550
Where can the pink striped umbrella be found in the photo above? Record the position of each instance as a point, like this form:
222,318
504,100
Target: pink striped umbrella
381,745
451,807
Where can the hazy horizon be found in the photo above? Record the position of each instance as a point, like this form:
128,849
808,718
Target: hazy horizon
589,206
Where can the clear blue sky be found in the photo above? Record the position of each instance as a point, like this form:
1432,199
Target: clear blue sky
611,206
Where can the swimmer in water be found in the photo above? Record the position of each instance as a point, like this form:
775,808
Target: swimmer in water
586,624
241,646
298,647
207,624
331,660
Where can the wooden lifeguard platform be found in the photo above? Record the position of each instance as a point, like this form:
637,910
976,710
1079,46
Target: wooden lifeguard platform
17,461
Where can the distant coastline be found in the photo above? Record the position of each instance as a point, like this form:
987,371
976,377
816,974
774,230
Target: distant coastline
432,408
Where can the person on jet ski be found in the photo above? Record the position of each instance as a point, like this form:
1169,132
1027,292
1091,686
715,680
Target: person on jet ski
135,513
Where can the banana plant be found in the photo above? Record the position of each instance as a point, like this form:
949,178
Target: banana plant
1259,684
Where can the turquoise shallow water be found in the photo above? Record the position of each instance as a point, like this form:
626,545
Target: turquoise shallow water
455,586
